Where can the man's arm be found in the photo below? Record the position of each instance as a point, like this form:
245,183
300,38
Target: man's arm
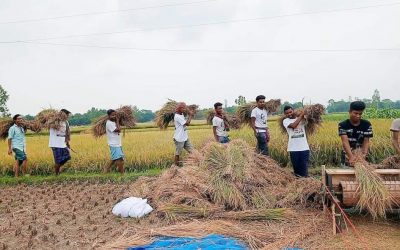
395,141
118,128
189,120
215,133
9,146
253,125
365,146
297,122
347,149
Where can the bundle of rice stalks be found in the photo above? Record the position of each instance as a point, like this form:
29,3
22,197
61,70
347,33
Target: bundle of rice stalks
6,124
172,212
243,112
313,117
51,118
125,118
232,120
374,195
166,114
33,126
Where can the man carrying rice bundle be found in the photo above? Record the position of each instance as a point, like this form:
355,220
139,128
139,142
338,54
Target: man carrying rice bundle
354,133
181,138
259,125
395,135
17,144
220,125
113,131
298,147
59,142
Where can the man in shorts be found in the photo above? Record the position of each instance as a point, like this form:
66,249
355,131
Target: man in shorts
17,144
181,138
113,131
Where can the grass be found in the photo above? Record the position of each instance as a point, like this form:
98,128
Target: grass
147,147
77,176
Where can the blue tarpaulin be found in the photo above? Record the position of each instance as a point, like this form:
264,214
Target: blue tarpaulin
211,242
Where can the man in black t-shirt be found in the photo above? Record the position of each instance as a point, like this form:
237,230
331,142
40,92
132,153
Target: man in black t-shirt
354,133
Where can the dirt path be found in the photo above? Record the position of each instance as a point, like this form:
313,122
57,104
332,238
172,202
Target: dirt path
78,216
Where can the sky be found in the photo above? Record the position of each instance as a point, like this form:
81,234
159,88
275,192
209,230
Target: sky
288,55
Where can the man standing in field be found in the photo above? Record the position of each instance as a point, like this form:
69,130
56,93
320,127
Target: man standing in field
395,135
220,125
259,124
181,138
59,142
113,131
298,147
17,144
354,133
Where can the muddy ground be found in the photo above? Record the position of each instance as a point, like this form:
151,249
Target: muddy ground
78,216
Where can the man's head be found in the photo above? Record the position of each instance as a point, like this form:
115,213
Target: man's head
18,119
356,110
112,115
65,113
180,107
218,108
289,112
260,101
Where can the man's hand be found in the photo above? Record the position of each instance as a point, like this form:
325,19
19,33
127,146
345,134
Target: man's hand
10,151
255,134
352,161
191,112
68,145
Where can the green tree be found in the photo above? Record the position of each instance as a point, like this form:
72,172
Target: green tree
376,98
4,112
240,100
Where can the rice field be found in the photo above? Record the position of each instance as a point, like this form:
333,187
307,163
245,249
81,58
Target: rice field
148,147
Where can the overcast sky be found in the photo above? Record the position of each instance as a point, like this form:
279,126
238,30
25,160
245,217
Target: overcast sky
78,78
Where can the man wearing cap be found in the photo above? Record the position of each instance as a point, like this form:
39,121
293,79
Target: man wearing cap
59,142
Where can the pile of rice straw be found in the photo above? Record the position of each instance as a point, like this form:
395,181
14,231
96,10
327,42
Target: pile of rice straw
244,111
124,115
51,118
313,118
233,120
392,162
6,124
166,114
229,185
374,195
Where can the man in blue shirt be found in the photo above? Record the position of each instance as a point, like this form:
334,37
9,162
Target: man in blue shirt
17,144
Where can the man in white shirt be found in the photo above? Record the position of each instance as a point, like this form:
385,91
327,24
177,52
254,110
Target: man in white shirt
113,131
59,143
181,137
395,135
259,124
298,147
220,125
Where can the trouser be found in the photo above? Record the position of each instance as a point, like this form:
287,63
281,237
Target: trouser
262,143
300,161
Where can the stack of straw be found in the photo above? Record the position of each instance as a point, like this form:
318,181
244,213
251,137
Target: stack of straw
244,111
6,124
51,118
233,121
313,118
125,118
166,114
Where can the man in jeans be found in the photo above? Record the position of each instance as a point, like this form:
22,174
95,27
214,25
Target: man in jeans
17,144
259,125
297,146
220,125
181,137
